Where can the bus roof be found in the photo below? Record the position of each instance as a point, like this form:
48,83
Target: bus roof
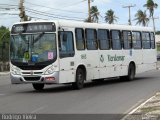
77,24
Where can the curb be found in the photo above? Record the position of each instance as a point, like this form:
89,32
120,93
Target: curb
134,112
135,109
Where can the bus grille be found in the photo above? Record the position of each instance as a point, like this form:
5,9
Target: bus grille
32,78
37,67
25,73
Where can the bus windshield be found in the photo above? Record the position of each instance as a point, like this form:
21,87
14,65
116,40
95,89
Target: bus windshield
33,48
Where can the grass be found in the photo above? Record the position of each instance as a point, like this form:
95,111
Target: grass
158,48
149,109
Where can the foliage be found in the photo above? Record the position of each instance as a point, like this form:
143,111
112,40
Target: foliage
4,34
87,20
94,14
26,18
158,33
151,6
141,18
4,43
110,17
158,47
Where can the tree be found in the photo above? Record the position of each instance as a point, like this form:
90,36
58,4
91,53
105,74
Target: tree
94,14
158,33
151,6
87,20
4,34
110,17
141,18
24,17
4,43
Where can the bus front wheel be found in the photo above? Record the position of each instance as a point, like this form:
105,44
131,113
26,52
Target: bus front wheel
80,77
37,86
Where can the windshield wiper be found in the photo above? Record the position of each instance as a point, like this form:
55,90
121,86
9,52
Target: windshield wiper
38,37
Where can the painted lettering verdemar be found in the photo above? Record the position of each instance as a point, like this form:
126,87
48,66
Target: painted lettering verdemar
115,58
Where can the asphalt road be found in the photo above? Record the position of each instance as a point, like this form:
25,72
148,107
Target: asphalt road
108,97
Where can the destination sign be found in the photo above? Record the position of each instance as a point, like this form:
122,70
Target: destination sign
33,27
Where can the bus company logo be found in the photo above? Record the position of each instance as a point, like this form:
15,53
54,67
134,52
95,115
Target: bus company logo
102,58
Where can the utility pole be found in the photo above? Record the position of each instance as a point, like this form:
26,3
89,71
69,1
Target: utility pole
89,11
129,7
22,10
154,27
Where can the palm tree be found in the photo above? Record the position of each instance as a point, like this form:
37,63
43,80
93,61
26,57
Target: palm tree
110,17
94,14
141,18
24,17
87,20
151,6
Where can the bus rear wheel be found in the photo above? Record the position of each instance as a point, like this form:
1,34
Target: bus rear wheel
131,73
37,86
80,77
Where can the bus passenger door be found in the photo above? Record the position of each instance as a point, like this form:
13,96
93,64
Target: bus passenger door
66,54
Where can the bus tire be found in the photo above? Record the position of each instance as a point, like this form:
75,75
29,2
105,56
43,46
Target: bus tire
37,86
80,77
131,73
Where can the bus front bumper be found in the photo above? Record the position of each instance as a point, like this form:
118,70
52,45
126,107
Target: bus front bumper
46,79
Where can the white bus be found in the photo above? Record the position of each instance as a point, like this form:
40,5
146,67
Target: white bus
57,52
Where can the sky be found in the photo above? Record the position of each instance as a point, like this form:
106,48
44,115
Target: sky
73,9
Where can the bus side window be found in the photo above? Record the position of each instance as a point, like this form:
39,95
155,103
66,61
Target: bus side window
91,39
116,40
80,42
66,46
136,40
146,40
127,39
152,40
103,38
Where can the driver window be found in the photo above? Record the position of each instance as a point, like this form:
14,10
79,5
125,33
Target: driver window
66,46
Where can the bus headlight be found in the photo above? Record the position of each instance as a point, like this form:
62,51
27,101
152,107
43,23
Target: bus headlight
15,71
49,71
